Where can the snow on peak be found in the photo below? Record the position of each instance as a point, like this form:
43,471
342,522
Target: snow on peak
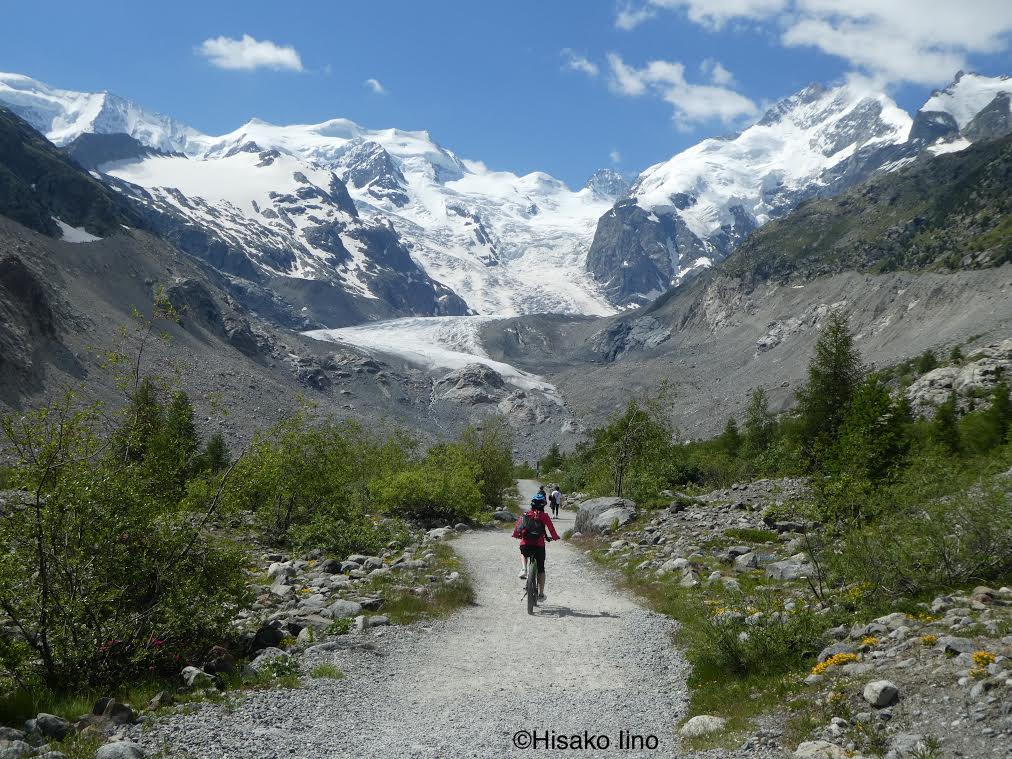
788,150
63,115
967,96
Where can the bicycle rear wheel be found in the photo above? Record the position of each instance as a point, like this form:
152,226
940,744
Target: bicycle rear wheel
532,585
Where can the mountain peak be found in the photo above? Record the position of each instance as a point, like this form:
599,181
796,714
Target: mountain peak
608,184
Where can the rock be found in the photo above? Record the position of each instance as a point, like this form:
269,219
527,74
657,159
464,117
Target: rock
266,656
194,677
460,527
673,565
689,579
52,755
120,750
378,621
471,385
219,660
48,726
746,561
880,693
116,712
268,636
331,566
702,724
160,700
788,570
836,648
15,750
439,533
502,515
819,750
735,551
600,514
375,562
10,734
908,745
953,645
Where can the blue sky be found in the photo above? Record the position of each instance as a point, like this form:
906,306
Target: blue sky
564,86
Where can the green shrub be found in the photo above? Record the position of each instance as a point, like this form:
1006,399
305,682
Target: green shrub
932,545
102,581
442,488
756,635
341,626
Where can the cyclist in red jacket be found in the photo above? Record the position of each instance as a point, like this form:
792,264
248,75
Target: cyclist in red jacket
532,541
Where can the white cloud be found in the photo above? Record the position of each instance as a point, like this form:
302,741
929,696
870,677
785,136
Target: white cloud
248,54
922,41
692,103
375,86
715,13
615,156
716,73
576,62
629,16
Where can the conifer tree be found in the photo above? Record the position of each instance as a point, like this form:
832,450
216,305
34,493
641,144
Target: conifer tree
730,439
945,427
759,423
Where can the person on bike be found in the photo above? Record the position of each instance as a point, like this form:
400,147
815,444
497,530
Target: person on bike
556,500
532,543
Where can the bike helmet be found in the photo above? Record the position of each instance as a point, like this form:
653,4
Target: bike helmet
539,502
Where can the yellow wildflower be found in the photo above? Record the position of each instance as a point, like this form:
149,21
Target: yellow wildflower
983,658
833,661
929,640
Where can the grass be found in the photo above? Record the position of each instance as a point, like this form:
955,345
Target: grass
738,697
326,672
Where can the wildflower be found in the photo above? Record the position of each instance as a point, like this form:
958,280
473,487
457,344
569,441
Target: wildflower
835,660
929,640
869,640
983,658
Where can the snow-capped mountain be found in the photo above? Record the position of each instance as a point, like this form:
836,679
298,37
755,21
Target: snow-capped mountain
973,107
686,213
64,115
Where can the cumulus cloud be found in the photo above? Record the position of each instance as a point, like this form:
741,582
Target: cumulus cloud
921,41
714,71
247,53
375,86
615,156
576,62
629,16
691,103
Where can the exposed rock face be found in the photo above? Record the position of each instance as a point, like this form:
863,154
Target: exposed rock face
622,336
608,183
980,375
522,409
992,122
600,514
637,254
369,166
474,384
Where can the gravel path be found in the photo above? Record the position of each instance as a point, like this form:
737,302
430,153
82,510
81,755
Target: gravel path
590,659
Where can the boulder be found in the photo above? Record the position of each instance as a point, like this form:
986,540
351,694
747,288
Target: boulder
266,656
820,750
789,569
952,645
48,726
120,750
836,648
193,677
600,514
219,660
880,693
502,515
471,385
15,750
267,636
702,724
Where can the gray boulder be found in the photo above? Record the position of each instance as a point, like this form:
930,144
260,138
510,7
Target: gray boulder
788,569
473,384
342,608
502,515
48,726
820,750
702,724
194,678
15,750
120,750
600,514
880,693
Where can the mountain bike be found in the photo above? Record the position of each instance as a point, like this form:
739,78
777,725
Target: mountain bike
531,588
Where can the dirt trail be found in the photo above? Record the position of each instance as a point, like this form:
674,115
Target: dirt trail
589,659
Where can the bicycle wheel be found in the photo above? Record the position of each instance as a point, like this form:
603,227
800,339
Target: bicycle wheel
532,585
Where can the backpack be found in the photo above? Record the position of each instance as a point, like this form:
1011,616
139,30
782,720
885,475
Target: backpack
531,528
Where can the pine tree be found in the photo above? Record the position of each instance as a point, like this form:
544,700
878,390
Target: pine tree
945,427
956,355
926,362
552,460
833,376
171,458
759,423
142,422
873,438
730,439
216,457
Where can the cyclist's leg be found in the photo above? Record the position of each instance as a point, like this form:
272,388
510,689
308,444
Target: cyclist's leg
541,571
523,561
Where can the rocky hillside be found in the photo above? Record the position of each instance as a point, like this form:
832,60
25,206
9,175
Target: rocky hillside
42,189
951,212
685,214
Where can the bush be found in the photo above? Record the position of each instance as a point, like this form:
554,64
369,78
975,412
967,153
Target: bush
102,581
932,546
756,635
443,487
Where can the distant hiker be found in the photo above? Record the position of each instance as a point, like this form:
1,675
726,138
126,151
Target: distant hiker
556,500
530,529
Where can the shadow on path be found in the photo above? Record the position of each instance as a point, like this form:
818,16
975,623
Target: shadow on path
565,611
